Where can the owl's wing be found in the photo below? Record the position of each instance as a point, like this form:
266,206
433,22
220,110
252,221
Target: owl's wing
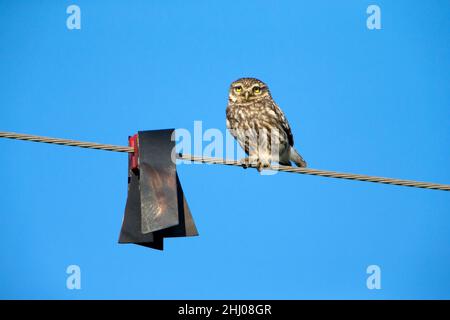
284,123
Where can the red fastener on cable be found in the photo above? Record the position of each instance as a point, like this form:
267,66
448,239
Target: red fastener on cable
133,161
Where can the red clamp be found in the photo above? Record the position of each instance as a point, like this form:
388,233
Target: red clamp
133,161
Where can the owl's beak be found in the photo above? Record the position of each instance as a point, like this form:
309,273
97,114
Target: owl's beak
246,95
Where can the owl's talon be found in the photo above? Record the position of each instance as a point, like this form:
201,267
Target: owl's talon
262,165
249,162
245,163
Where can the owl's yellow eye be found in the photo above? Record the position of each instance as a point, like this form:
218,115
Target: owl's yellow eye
238,88
256,89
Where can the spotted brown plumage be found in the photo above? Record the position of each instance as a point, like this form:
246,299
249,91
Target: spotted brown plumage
259,125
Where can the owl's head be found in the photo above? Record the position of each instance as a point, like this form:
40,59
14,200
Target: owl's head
248,89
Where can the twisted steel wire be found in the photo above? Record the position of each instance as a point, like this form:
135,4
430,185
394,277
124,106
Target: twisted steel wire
65,142
315,172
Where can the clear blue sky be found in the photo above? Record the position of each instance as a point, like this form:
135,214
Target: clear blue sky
358,100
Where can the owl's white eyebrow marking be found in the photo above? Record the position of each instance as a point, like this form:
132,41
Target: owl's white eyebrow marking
235,85
258,85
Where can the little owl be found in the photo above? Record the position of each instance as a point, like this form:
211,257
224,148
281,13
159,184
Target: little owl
259,125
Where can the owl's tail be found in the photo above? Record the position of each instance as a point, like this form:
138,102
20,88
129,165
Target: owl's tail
297,158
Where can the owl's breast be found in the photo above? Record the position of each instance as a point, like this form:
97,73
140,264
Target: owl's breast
247,115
